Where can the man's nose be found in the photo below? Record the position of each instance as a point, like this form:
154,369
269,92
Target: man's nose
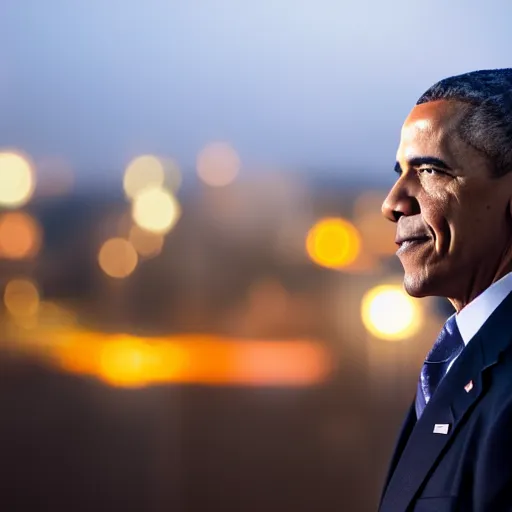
400,201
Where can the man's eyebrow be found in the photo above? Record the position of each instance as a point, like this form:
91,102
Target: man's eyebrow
429,160
422,161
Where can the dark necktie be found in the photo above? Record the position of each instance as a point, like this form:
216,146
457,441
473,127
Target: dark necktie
447,347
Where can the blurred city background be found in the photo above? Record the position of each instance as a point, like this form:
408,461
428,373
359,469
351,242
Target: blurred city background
201,307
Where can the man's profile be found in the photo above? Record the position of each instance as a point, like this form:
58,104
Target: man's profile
452,205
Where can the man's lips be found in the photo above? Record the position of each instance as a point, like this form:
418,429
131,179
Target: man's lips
412,230
411,238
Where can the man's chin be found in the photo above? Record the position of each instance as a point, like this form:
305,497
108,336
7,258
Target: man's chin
417,286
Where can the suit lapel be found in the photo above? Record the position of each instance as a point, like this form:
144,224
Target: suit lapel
451,403
403,437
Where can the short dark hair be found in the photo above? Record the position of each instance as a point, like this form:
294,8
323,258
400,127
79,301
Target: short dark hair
487,125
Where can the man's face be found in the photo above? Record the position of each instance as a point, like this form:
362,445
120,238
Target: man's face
453,220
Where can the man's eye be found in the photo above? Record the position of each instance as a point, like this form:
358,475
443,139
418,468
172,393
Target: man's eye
429,170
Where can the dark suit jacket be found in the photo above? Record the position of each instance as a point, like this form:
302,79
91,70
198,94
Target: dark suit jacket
469,469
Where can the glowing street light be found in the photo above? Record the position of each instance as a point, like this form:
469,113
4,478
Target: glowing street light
17,180
155,209
333,243
389,313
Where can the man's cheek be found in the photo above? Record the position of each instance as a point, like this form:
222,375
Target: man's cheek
442,232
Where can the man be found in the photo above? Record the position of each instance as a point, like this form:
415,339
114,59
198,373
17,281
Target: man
452,205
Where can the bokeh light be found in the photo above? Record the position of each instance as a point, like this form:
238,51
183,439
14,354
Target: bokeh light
155,209
389,313
126,363
20,236
17,179
333,243
131,361
118,258
218,164
21,298
147,244
142,172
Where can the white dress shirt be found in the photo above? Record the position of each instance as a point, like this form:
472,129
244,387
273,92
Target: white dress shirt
472,317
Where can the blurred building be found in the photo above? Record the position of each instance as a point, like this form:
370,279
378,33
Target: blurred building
224,361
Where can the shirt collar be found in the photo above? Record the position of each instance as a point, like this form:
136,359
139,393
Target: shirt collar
472,317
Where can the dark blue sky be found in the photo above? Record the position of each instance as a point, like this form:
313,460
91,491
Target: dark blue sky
317,83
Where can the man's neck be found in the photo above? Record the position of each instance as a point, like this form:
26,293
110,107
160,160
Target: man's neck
476,289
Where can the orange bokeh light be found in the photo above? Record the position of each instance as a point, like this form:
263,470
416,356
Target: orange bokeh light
117,258
20,236
333,243
130,361
21,298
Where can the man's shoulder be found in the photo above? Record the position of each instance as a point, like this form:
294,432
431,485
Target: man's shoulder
498,384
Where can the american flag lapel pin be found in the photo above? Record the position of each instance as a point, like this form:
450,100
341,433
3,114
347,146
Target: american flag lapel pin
441,428
469,386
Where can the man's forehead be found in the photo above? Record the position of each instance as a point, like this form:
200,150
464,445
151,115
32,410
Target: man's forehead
431,124
432,116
